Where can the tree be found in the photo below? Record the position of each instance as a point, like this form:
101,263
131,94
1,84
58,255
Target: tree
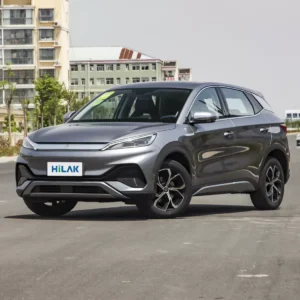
13,124
10,89
47,89
77,104
69,97
25,104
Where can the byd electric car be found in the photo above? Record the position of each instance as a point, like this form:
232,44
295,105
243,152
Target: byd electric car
156,145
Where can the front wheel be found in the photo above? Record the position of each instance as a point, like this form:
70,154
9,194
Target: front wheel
173,192
271,190
50,209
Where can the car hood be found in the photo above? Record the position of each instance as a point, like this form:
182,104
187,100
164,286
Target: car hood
94,132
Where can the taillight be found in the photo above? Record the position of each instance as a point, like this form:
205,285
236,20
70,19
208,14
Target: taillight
284,128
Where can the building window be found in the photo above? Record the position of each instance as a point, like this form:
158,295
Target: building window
21,94
127,67
74,68
145,67
18,57
100,81
136,79
153,78
92,81
74,81
92,95
109,81
19,76
110,67
49,72
289,116
47,54
127,80
100,67
118,80
153,66
82,67
135,67
82,95
145,79
118,67
46,34
92,67
82,81
46,15
18,37
295,116
17,17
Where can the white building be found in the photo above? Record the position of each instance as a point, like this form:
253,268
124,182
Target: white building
292,114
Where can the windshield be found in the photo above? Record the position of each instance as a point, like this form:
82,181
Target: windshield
135,105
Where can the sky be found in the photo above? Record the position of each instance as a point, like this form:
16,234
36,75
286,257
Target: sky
254,43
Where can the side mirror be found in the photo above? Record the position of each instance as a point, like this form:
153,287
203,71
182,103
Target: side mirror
68,115
203,117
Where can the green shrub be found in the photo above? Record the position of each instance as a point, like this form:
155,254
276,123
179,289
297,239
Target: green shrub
4,143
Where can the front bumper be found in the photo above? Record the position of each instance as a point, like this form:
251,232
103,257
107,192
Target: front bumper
126,175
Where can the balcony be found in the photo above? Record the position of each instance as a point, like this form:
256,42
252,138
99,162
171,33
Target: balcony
17,21
19,61
18,41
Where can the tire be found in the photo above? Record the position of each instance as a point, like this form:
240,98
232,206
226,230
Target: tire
53,209
179,189
271,186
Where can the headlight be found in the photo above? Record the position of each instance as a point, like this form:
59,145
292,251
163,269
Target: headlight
138,141
28,144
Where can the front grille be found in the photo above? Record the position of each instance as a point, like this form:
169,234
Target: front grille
55,189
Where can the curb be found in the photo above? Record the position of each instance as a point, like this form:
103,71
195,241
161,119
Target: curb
6,159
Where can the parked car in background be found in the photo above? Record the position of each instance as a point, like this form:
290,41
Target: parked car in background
156,145
298,141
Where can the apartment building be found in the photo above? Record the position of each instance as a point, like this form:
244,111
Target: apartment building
95,69
34,40
292,114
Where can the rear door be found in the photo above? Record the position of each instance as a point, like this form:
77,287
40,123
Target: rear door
212,144
252,133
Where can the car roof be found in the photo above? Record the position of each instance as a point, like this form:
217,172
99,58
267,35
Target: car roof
183,85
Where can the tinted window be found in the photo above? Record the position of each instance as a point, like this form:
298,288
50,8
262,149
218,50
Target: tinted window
135,105
237,102
263,102
256,105
208,101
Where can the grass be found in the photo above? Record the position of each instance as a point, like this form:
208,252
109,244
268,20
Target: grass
10,151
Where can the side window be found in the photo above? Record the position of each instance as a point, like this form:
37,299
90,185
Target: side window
208,101
256,105
263,102
237,103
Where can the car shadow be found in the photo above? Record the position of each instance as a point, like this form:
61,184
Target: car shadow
130,213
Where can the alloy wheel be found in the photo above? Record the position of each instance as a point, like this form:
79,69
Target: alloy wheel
274,184
170,190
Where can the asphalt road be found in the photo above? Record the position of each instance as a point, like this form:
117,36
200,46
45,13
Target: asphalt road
222,249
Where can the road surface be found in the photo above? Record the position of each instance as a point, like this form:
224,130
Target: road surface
222,249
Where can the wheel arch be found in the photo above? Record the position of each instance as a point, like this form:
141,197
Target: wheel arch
279,152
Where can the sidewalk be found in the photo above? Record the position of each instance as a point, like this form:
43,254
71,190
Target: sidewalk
6,159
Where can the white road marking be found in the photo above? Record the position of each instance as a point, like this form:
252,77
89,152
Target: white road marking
125,281
43,275
253,276
162,251
187,243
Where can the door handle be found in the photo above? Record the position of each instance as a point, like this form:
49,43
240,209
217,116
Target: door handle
264,130
228,133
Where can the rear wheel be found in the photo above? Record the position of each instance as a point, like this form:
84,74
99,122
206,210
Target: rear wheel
173,192
50,209
270,193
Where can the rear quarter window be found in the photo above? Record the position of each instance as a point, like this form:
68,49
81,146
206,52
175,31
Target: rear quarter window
256,105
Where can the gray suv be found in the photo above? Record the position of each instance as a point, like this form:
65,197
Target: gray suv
156,145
